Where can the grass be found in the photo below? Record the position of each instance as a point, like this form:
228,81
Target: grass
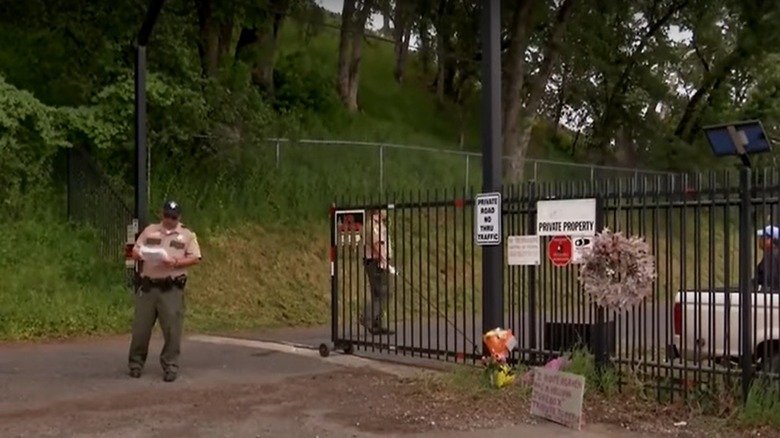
45,267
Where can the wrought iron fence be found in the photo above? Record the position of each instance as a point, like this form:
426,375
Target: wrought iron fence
387,163
92,200
690,332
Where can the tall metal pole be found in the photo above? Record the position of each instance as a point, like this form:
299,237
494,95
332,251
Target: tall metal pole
141,174
141,151
492,256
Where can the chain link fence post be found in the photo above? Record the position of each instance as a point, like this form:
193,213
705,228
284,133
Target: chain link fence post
468,169
381,169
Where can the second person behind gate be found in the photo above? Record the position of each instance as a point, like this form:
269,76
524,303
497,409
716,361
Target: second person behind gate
376,258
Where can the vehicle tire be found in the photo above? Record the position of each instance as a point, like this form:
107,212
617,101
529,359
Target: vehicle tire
773,364
770,357
324,350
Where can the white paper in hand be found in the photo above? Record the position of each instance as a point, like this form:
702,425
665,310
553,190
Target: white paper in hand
392,270
153,255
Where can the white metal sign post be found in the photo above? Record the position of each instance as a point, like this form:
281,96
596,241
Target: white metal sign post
487,219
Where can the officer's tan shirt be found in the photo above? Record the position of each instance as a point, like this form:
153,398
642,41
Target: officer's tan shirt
178,243
377,239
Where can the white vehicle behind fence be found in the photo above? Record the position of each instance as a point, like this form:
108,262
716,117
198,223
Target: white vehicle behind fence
707,328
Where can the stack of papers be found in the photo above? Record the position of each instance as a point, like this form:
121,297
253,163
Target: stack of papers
153,255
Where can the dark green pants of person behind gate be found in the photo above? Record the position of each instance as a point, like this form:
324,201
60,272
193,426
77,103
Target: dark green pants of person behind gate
168,307
373,310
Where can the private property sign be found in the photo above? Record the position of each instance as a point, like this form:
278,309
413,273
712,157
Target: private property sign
487,219
566,217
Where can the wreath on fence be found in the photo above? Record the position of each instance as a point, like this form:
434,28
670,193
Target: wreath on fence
618,272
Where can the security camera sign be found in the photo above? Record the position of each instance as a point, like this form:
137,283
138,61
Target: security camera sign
580,247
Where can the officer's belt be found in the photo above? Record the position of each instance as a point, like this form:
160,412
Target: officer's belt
163,284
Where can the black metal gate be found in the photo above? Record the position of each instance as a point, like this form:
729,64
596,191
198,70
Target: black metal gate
434,307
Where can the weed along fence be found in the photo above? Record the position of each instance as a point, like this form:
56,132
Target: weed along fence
690,330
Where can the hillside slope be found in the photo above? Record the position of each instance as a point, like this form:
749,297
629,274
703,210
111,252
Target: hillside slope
263,228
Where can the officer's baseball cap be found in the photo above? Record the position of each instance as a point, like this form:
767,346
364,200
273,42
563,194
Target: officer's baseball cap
770,232
171,209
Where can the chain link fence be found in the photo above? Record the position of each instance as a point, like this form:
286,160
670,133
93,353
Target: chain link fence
92,201
387,164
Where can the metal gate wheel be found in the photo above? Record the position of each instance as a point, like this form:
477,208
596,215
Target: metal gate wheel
349,349
324,350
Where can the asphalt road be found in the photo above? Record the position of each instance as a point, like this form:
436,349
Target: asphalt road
226,389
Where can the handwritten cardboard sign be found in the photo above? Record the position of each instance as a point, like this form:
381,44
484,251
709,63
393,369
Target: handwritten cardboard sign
557,396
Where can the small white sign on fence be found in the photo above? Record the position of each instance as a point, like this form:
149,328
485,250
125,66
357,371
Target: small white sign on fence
487,221
523,250
557,396
581,245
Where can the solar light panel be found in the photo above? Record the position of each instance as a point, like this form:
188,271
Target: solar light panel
751,133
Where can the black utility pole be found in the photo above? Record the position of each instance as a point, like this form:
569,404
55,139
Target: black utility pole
492,256
141,156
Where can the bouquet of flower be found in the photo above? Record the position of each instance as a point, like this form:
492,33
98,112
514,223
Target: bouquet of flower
499,344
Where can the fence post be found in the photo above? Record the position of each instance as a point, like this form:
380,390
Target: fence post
531,229
467,170
334,280
536,171
745,289
600,335
592,173
278,152
381,168
69,182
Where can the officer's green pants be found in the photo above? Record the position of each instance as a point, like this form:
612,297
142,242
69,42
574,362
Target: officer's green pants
168,307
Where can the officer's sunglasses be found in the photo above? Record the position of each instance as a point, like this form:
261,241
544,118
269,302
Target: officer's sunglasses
174,217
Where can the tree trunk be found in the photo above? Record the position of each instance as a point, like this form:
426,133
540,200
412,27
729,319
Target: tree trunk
513,85
560,104
353,25
425,45
712,78
215,36
345,39
539,84
257,45
401,34
615,99
386,18
402,54
443,26
441,64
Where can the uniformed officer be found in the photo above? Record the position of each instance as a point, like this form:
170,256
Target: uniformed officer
377,255
160,290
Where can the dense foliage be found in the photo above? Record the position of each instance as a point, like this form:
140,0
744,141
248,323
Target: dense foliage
631,82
